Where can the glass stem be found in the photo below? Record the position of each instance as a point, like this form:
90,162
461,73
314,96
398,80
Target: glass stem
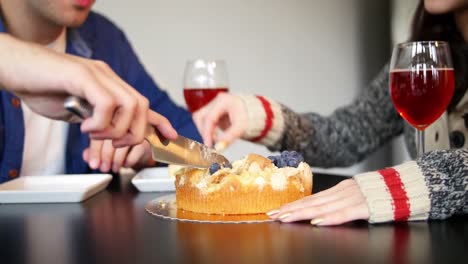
420,146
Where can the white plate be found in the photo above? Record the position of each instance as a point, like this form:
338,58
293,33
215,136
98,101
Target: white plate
53,189
154,180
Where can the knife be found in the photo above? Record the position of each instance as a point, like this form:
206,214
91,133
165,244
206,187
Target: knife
181,151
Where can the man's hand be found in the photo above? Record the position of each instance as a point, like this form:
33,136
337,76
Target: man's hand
43,78
103,156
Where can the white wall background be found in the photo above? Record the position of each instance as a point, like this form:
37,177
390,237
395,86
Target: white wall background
311,55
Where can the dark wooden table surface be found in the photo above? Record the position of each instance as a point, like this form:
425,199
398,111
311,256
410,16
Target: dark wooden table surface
113,227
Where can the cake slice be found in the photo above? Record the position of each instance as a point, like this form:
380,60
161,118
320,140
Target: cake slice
253,185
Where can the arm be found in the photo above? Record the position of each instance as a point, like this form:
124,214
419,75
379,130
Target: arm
433,187
341,139
121,56
30,71
345,137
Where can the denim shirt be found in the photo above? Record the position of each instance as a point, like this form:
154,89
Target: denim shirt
98,39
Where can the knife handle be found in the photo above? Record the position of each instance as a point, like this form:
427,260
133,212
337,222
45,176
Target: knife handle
78,106
82,109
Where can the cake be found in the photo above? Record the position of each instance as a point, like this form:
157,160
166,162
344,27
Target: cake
252,185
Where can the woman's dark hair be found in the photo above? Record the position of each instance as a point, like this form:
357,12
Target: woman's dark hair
443,27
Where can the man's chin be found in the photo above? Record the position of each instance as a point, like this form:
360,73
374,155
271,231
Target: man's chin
75,21
75,24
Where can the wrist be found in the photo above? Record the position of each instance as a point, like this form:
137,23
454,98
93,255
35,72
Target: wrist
399,193
265,122
6,49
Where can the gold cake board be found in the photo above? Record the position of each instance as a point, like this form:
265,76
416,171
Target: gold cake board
166,207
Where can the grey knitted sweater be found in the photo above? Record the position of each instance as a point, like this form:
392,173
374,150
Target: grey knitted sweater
435,185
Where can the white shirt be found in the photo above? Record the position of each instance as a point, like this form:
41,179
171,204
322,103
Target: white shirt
44,139
438,135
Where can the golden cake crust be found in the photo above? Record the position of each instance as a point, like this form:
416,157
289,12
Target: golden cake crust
254,185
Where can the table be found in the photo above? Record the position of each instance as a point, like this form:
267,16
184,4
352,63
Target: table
113,227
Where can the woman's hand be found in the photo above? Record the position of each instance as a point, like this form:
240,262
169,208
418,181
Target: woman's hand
339,204
227,112
103,156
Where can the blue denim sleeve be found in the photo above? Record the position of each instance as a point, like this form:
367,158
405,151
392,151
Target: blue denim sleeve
134,73
2,133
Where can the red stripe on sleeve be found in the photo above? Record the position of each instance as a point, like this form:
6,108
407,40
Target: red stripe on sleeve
401,205
268,119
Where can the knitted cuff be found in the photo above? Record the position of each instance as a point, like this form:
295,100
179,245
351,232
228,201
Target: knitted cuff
265,120
395,194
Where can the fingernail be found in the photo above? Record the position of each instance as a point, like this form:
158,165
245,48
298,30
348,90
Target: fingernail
94,163
283,216
272,212
220,146
115,168
316,221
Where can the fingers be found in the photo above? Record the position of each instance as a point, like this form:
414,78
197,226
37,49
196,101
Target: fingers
231,134
102,101
99,155
198,118
210,123
319,198
136,156
311,212
125,104
119,158
162,124
341,203
119,110
107,156
138,122
92,154
227,112
138,128
356,212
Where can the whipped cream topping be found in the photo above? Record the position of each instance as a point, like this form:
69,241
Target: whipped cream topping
202,184
251,174
278,181
260,182
182,181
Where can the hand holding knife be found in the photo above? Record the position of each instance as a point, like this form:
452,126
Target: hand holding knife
182,151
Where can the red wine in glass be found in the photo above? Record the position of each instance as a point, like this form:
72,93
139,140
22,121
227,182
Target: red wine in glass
203,81
421,83
196,98
421,97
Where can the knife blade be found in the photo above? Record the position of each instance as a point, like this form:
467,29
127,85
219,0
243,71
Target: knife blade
181,151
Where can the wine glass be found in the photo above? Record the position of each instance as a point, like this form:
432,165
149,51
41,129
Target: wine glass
422,83
203,80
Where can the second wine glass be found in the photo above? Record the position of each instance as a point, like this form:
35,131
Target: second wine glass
422,83
203,81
